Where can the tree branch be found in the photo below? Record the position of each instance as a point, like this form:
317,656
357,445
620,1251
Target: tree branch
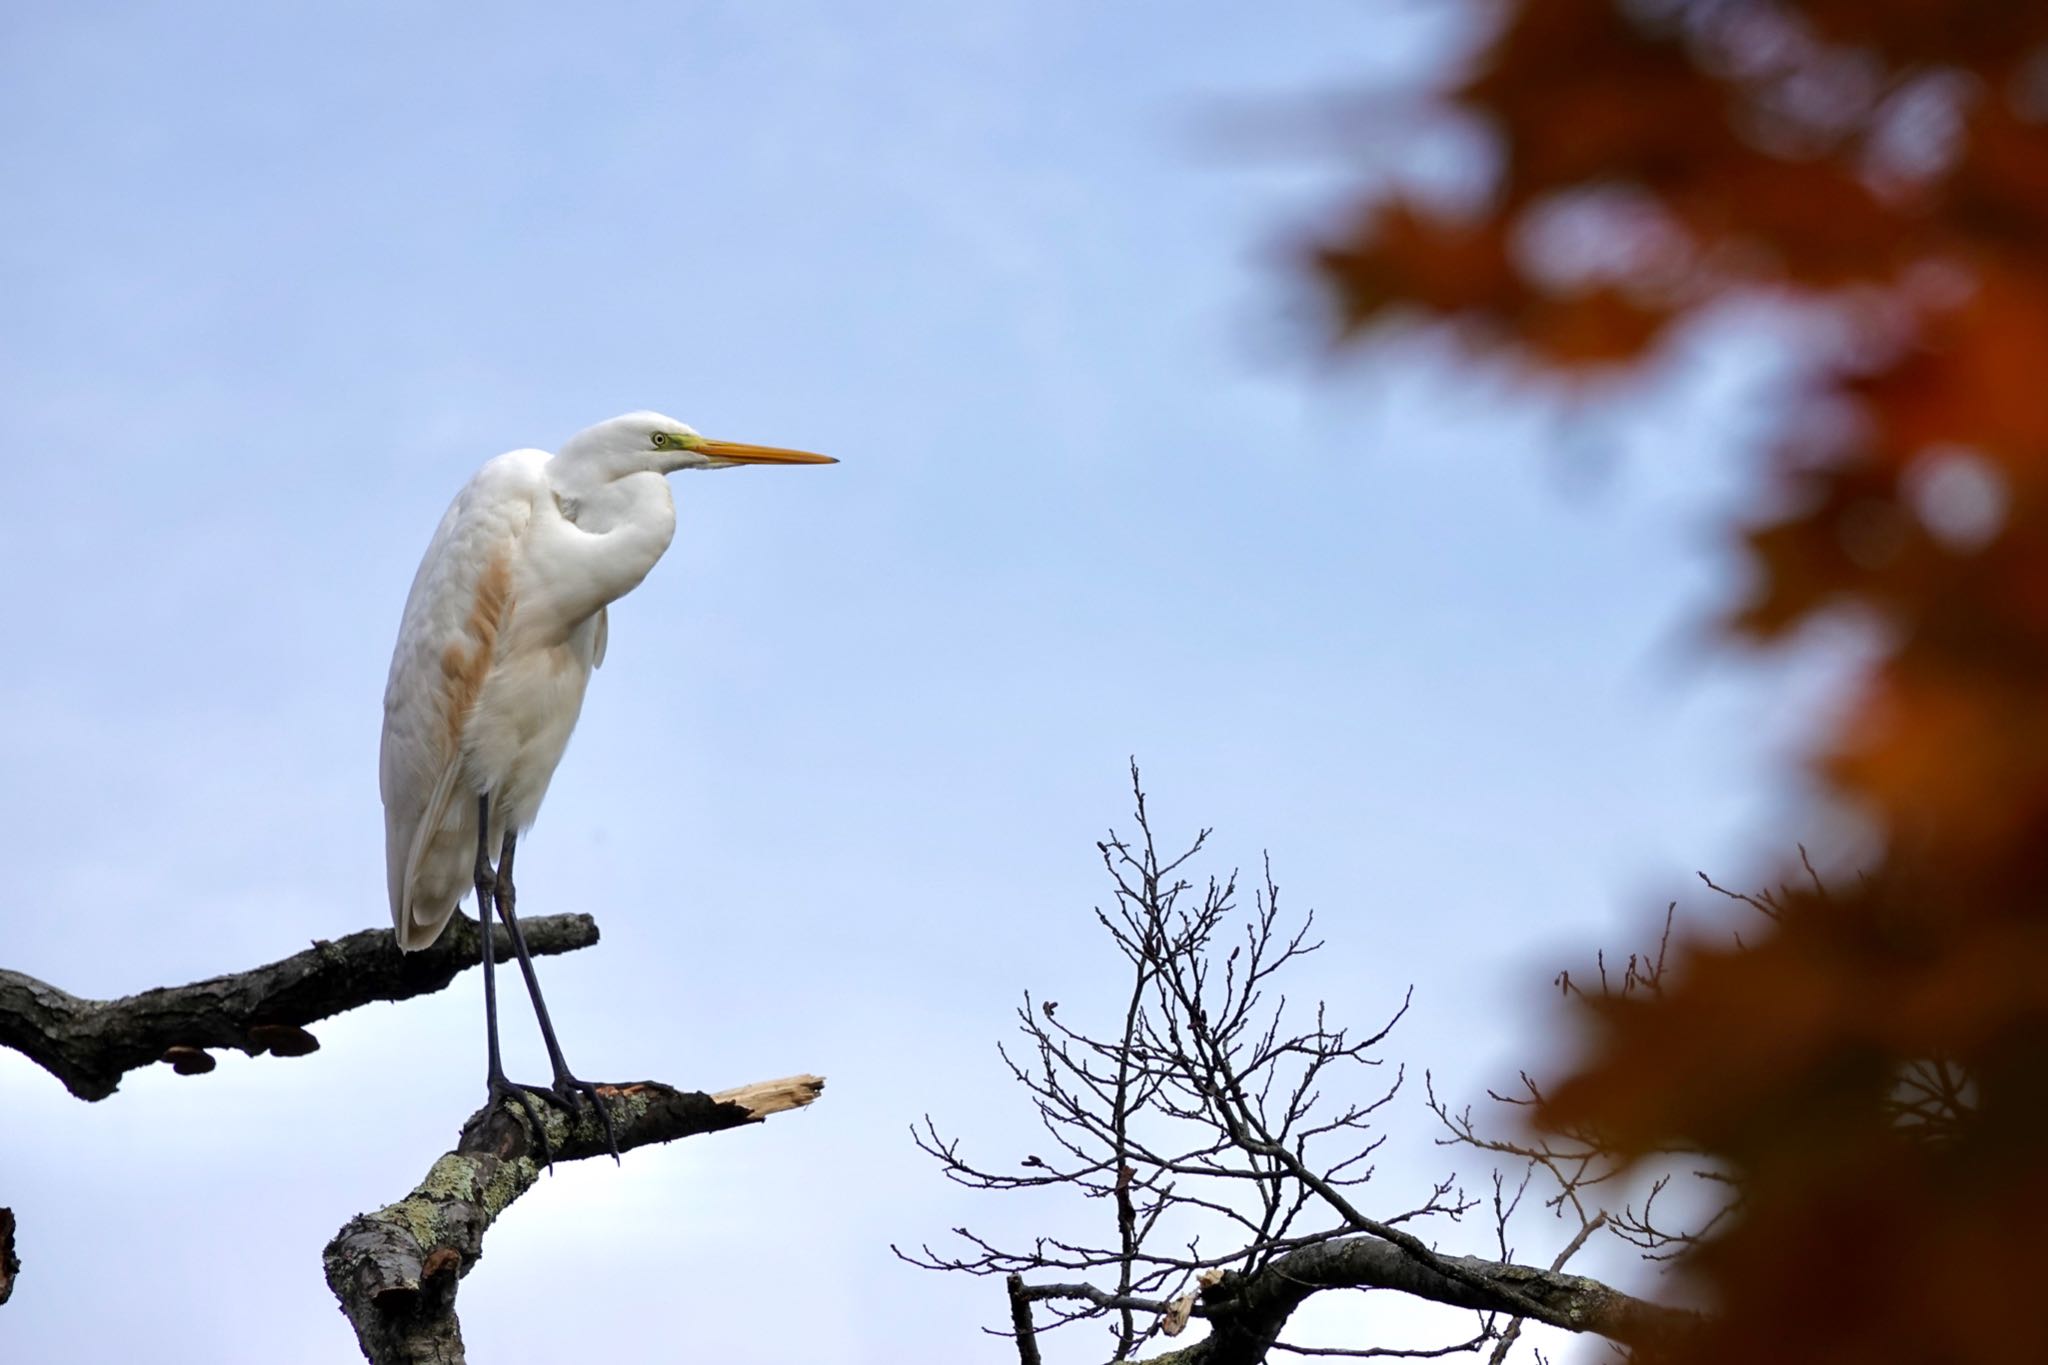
1247,1312
90,1045
1020,1321
395,1271
10,1264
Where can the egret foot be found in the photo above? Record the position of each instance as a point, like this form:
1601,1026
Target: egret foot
502,1088
573,1092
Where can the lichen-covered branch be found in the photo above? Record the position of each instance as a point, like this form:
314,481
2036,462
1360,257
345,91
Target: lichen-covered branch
395,1271
90,1045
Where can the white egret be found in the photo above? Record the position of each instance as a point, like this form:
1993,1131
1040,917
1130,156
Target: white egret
504,623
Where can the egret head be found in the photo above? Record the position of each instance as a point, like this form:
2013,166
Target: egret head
649,441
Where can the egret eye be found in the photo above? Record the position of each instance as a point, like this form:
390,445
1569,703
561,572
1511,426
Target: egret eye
660,439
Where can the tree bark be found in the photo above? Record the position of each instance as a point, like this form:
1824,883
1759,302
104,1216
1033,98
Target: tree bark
90,1045
10,1264
1247,1313
395,1271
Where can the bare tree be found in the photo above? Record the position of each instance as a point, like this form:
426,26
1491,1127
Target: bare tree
1228,1136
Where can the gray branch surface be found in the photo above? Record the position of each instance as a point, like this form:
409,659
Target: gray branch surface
10,1264
90,1045
1246,1313
395,1271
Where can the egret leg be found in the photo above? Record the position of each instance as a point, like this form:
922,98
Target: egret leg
486,886
571,1090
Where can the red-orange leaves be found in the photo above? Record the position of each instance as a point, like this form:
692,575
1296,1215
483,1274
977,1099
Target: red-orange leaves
1409,256
1890,156
1579,93
1975,379
1468,273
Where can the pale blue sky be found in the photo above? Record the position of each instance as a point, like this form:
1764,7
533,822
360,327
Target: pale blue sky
278,279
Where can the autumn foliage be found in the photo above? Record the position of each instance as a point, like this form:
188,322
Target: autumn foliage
1883,163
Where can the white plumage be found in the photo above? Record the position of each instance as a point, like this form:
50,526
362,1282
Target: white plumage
505,621
486,684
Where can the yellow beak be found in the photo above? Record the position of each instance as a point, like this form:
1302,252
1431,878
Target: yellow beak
739,452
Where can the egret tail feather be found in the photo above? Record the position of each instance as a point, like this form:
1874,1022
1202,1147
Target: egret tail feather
430,893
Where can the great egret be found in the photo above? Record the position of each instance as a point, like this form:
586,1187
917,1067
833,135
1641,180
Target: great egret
505,620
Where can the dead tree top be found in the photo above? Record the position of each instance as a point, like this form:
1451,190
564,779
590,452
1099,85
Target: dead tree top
395,1271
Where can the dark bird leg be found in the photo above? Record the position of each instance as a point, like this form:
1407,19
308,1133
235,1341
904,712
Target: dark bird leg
486,885
567,1087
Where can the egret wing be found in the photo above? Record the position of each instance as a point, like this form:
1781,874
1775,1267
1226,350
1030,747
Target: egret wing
454,621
